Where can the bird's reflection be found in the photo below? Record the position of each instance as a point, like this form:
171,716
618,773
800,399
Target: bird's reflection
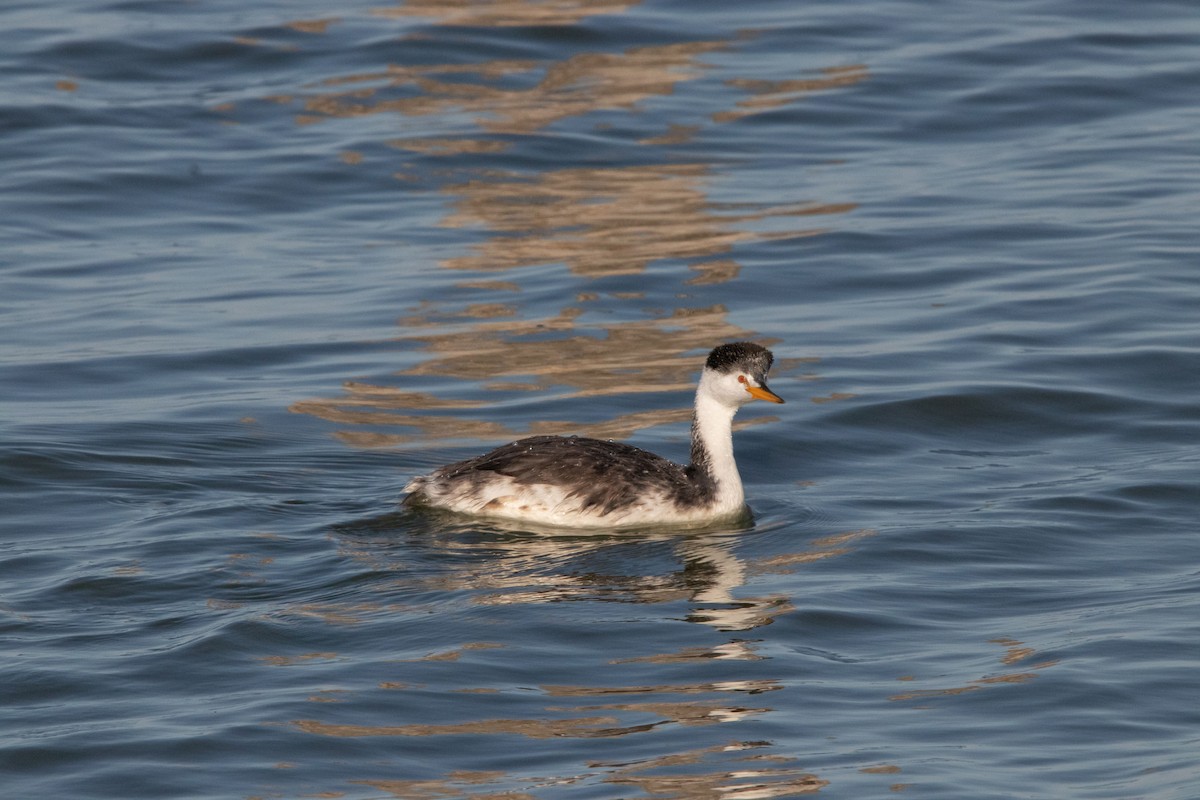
495,563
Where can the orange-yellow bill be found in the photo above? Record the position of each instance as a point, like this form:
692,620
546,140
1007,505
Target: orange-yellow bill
763,393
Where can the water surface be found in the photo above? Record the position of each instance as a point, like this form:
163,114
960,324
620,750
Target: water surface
262,265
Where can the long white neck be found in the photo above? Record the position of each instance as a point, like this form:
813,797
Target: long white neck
712,449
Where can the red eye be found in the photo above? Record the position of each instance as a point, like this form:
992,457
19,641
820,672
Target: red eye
741,378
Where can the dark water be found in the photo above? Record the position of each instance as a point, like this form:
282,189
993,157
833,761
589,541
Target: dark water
264,262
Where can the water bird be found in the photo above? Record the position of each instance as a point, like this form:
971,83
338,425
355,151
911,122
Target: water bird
581,482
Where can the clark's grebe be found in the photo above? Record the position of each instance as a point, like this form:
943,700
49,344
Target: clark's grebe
576,481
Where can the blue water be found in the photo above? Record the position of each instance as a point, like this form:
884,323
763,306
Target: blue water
262,264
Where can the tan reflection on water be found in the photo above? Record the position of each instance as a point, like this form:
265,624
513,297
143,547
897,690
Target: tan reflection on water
589,725
575,727
1014,653
581,84
461,783
747,774
747,686
824,547
504,13
457,653
735,650
557,568
334,613
446,146
655,355
756,777
290,661
767,95
611,221
312,25
741,773
662,354
596,221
